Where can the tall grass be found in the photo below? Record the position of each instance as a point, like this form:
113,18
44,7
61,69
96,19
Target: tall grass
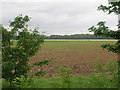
65,80
90,81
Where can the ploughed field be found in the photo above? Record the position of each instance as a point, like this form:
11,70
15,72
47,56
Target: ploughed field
79,55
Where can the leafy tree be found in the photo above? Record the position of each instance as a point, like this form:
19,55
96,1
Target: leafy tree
16,53
102,30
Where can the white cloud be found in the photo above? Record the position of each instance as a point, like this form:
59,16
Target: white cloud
52,1
59,17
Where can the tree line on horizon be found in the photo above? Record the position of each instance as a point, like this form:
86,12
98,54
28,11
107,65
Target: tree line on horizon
76,36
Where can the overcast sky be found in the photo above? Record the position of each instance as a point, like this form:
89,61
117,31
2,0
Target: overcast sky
59,17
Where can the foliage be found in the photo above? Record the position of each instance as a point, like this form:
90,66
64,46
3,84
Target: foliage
41,63
102,30
113,7
15,57
40,73
22,82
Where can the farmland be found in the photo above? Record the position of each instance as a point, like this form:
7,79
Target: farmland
72,64
79,55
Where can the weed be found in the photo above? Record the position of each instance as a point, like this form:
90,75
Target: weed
65,75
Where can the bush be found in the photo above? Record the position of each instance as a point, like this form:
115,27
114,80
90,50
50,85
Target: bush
22,82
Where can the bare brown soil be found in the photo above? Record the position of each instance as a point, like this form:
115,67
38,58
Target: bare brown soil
80,61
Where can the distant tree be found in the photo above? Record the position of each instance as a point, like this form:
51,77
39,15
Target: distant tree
102,30
15,54
76,36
